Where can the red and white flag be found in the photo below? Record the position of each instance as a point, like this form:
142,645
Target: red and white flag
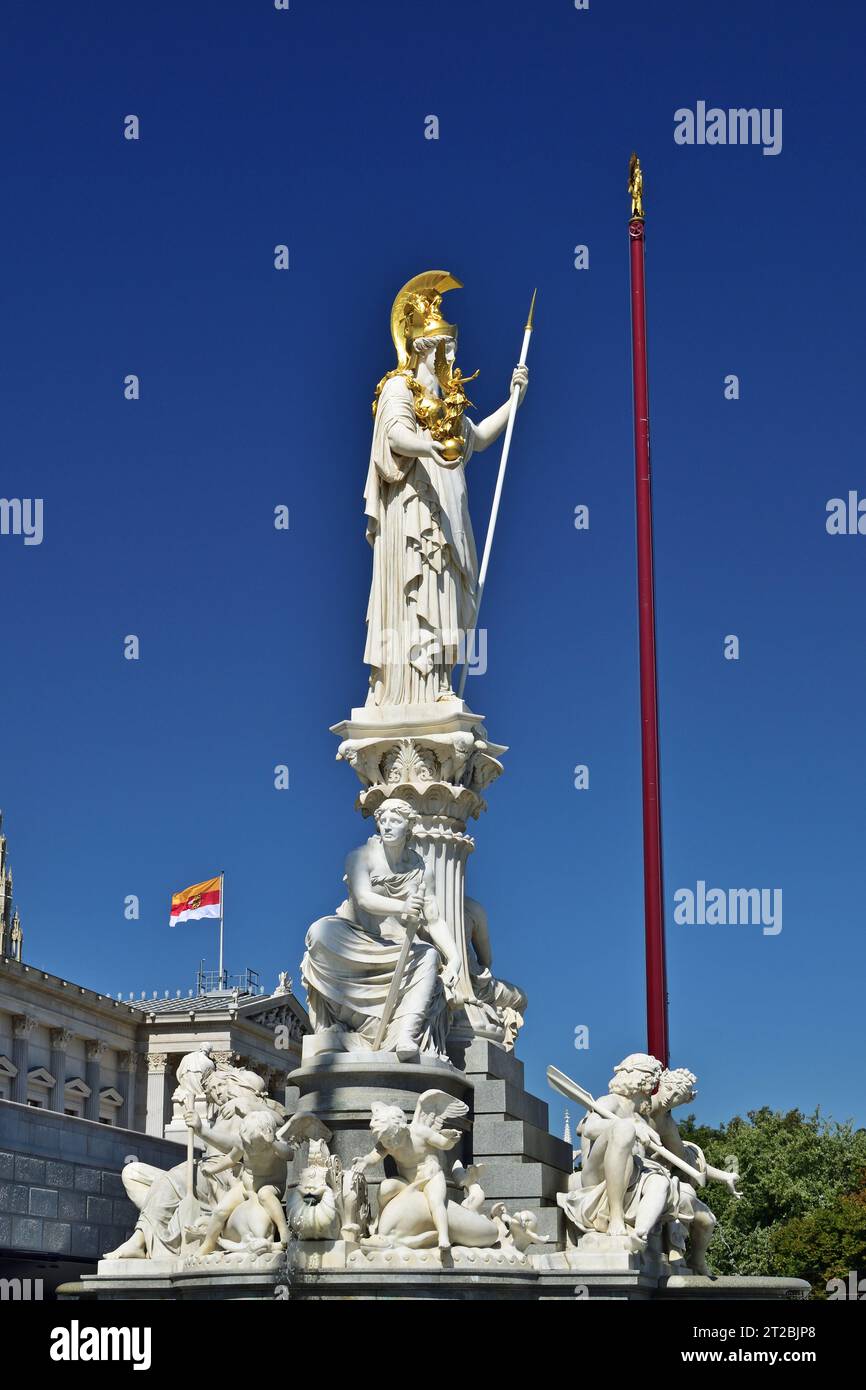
201,900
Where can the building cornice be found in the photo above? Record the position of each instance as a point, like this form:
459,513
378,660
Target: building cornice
55,990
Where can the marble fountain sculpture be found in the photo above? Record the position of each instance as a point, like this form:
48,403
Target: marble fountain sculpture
409,1155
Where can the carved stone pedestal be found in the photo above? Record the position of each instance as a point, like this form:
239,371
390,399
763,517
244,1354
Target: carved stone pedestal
438,758
217,1280
341,1087
598,1253
506,1130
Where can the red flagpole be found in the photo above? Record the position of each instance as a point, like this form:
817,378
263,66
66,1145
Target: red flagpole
656,972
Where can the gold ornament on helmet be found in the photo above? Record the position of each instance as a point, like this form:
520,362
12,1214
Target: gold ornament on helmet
416,314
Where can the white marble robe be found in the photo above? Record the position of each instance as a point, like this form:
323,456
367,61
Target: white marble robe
350,962
425,565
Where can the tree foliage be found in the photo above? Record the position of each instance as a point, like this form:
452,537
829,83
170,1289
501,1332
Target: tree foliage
803,1210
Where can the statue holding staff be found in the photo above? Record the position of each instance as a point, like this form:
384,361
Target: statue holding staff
362,978
425,565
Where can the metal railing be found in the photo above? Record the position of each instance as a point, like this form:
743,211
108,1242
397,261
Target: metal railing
214,982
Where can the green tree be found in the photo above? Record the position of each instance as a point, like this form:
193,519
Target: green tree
824,1244
803,1210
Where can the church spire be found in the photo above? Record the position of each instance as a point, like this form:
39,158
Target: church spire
11,936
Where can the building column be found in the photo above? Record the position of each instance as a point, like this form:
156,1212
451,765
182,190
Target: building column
22,1027
60,1040
228,1059
155,1121
93,1051
276,1079
128,1063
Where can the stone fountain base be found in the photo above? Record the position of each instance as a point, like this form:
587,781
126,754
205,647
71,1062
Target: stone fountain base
332,1270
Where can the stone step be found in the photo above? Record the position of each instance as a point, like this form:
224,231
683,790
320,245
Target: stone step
494,1136
482,1058
503,1098
514,1182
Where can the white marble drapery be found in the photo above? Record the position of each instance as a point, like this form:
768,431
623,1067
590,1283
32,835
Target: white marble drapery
349,964
425,566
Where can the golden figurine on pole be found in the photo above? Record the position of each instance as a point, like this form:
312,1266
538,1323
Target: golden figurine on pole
635,186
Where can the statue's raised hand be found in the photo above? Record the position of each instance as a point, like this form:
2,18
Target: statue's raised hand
414,909
731,1180
520,378
646,1135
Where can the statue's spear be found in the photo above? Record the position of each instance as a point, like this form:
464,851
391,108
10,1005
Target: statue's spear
503,463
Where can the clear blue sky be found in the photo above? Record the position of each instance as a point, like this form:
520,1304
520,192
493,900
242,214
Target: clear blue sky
155,257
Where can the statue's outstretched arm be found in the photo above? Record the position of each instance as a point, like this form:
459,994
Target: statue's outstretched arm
669,1134
221,1165
438,1139
367,1160
489,429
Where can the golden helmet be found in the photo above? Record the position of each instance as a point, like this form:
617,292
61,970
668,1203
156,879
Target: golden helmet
416,312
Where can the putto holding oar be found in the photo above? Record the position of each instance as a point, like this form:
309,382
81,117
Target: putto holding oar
638,1178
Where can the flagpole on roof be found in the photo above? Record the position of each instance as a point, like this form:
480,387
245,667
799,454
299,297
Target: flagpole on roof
222,911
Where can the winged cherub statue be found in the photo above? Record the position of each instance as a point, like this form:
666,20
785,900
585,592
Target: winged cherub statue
414,1209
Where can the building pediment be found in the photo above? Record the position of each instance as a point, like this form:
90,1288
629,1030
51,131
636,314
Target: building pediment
7,1067
77,1086
40,1076
273,1016
109,1096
